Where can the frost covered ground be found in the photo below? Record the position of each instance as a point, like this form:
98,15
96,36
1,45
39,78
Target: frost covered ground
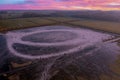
56,48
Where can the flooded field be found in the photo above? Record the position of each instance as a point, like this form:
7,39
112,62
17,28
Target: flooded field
58,53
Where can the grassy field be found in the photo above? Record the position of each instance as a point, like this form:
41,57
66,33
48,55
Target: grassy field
99,25
11,24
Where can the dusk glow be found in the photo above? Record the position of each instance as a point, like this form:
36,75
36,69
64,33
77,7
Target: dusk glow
59,4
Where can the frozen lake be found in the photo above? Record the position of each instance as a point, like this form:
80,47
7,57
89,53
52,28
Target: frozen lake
57,39
60,46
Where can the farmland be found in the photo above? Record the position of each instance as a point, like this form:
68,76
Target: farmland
99,25
12,24
20,23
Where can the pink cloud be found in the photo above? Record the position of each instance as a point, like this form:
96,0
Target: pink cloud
65,4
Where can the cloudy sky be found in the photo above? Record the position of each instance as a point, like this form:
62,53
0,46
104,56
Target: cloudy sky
59,4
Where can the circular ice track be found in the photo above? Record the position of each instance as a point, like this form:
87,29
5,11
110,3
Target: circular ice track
45,43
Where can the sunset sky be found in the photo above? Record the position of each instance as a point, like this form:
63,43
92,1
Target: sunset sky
59,4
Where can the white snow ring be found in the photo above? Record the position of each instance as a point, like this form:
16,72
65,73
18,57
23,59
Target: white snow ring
17,38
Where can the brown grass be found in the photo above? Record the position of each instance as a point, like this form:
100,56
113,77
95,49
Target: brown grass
99,25
12,24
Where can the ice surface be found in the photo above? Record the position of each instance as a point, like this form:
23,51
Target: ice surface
57,48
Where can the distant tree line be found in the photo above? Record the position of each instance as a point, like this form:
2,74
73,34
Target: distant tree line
3,12
93,15
30,14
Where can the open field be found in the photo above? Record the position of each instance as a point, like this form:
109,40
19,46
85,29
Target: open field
12,24
99,25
